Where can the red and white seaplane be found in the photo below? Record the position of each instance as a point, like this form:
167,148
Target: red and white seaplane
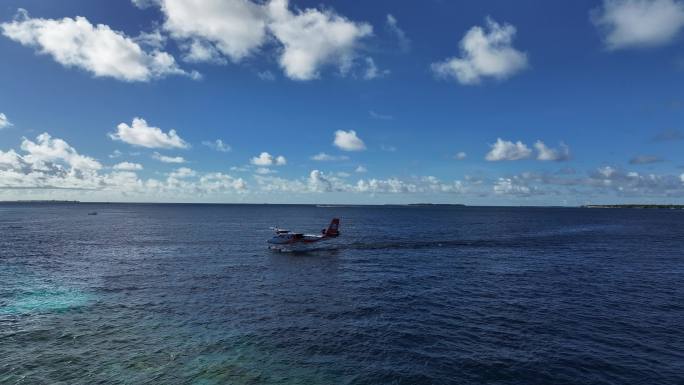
285,240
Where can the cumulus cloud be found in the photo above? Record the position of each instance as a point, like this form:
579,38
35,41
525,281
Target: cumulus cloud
211,29
360,169
638,23
47,150
154,39
307,40
313,38
320,182
265,171
95,48
460,156
47,162
512,186
51,168
602,181
507,150
552,154
485,52
127,166
4,121
323,157
633,183
217,145
265,159
139,133
348,141
399,34
168,159
182,172
645,159
427,184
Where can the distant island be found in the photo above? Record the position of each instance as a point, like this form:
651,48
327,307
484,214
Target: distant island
39,201
436,204
635,206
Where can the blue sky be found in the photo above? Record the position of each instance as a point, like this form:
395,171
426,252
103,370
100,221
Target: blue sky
488,102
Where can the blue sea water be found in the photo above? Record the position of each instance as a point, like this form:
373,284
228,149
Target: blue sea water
188,294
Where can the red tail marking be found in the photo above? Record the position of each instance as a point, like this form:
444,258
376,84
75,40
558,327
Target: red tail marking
334,228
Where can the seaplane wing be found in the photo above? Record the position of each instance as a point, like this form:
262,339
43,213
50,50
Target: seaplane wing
285,240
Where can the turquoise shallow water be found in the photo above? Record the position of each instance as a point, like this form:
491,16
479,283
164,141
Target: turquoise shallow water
188,294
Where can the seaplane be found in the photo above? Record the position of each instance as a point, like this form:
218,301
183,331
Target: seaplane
287,241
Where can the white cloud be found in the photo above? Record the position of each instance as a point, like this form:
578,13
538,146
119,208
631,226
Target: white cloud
460,156
154,39
512,186
47,162
128,166
323,157
638,23
266,75
217,145
265,171
507,150
312,38
681,177
551,154
361,169
306,40
606,171
139,133
199,51
94,48
379,116
4,122
372,71
168,159
485,52
217,182
632,183
142,4
393,27
115,154
348,141
182,172
427,184
266,159
49,168
211,28
318,182
47,150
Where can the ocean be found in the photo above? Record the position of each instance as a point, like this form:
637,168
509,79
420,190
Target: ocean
189,294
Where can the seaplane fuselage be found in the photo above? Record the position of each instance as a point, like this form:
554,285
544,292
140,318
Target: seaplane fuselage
285,240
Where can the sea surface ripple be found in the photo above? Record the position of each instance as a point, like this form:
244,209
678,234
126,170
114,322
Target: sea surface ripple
188,294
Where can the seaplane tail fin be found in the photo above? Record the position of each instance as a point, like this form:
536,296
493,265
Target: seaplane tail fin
334,228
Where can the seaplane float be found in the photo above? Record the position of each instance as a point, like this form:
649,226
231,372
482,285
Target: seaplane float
288,241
